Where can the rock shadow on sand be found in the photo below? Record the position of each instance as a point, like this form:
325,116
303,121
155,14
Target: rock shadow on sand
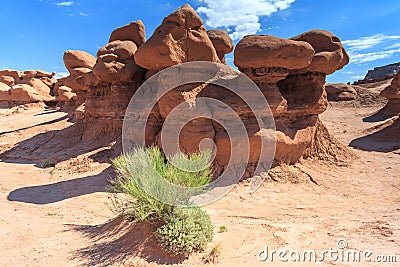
119,241
56,146
384,138
52,193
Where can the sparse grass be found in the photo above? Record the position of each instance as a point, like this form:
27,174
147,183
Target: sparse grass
142,191
47,164
222,229
186,230
146,171
213,255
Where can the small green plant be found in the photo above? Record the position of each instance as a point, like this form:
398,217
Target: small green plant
182,230
213,255
146,170
52,214
222,229
47,164
186,230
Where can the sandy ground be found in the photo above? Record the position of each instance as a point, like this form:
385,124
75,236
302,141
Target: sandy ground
55,209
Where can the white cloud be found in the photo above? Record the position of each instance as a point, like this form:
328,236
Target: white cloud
393,46
61,74
368,41
242,15
83,14
348,72
372,56
69,3
357,77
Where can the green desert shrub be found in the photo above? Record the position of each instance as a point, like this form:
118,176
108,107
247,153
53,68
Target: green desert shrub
139,173
186,230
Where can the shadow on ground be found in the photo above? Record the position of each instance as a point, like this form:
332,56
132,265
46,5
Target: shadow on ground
384,138
383,114
51,193
56,146
118,241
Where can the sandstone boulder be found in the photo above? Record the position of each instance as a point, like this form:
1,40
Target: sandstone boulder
12,73
48,81
7,80
134,32
29,74
330,55
393,90
44,74
5,93
392,93
39,86
116,62
180,38
65,94
340,92
78,59
23,93
265,51
221,42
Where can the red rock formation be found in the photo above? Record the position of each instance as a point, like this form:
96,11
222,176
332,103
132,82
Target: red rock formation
290,74
392,93
340,92
103,85
134,32
19,88
180,38
221,42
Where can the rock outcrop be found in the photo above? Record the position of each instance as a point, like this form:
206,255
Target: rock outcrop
221,42
340,92
31,86
392,93
101,87
180,38
290,73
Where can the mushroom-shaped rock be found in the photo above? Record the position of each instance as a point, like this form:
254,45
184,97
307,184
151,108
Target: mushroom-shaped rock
340,92
267,60
393,90
222,43
330,55
134,32
180,38
123,49
78,59
116,62
7,80
265,51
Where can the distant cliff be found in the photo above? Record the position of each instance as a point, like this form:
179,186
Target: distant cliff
380,73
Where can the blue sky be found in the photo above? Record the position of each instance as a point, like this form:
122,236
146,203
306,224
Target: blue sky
35,33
